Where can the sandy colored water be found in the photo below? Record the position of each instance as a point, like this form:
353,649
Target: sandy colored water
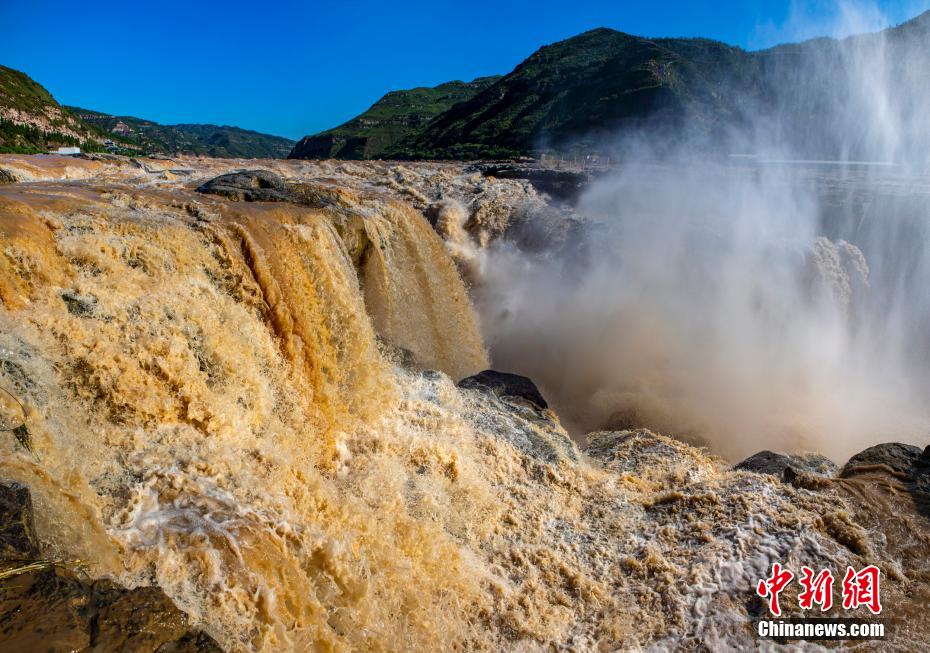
216,404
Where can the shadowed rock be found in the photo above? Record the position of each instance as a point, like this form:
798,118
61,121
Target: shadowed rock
909,465
900,458
250,186
52,608
17,533
505,385
266,186
788,467
80,305
513,409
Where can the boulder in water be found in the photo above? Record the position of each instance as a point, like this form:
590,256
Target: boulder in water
250,186
504,384
899,458
17,533
787,467
267,186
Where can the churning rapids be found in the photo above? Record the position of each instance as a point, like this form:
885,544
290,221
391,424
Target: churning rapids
253,405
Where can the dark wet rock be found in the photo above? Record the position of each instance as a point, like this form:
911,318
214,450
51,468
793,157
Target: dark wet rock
765,462
23,437
266,186
505,385
513,409
786,467
17,532
17,374
45,610
141,619
192,642
920,474
80,305
922,464
54,608
250,186
6,177
899,458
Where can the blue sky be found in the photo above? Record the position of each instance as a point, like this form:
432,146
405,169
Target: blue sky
293,68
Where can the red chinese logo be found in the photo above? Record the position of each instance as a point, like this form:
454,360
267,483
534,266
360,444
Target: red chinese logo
859,588
862,588
817,589
772,586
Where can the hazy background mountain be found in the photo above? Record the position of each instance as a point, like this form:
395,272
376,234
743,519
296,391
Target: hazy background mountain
31,121
207,140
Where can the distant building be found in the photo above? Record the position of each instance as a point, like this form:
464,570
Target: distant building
65,150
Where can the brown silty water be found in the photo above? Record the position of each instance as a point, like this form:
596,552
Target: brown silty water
215,405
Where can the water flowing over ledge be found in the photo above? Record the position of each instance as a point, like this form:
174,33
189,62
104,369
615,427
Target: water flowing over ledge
253,406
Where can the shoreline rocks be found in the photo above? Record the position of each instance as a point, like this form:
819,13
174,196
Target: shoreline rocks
51,607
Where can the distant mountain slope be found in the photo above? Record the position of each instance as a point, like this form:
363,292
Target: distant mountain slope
31,119
863,97
391,119
206,140
587,86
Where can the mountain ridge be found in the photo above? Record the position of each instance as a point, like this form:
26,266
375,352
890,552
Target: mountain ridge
222,141
580,93
31,118
32,121
388,121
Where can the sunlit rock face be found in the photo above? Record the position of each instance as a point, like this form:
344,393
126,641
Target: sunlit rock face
253,406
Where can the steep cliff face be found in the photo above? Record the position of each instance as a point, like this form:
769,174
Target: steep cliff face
253,406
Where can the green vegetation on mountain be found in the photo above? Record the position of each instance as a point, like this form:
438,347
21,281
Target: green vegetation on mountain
575,91
579,95
390,120
581,89
205,140
32,121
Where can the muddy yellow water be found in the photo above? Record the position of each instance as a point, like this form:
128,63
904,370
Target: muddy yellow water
214,404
